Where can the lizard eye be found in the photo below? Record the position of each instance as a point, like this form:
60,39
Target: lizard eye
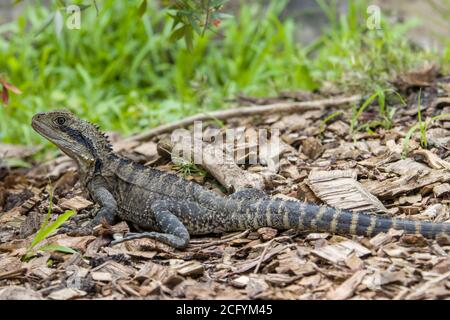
60,120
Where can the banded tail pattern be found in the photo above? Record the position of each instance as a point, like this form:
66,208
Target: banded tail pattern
289,214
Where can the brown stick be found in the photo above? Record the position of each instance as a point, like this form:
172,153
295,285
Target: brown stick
263,254
217,242
287,107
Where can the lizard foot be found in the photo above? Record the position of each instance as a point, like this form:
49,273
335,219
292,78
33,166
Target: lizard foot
174,241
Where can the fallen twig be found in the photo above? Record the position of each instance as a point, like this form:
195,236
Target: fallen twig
228,239
286,107
263,254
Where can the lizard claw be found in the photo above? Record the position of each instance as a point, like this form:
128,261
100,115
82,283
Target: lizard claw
129,236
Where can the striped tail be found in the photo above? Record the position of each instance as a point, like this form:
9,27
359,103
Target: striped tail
282,214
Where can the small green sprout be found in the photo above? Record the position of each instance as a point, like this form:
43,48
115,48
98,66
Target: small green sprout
47,229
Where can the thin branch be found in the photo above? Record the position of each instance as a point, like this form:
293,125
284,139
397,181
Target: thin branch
286,107
205,27
217,242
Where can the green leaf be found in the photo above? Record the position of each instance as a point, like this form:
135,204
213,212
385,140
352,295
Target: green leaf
440,117
178,33
83,6
222,16
184,12
381,101
176,20
55,247
406,140
39,234
194,24
216,3
45,25
329,118
189,38
46,231
366,104
17,163
142,8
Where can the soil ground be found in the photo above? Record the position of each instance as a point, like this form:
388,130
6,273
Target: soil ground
321,162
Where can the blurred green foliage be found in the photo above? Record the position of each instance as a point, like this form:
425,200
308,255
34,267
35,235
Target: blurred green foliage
122,71
193,16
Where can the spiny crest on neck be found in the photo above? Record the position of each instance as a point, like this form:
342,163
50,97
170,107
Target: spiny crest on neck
99,139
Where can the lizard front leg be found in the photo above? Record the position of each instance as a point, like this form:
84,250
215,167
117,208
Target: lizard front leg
173,232
108,205
107,211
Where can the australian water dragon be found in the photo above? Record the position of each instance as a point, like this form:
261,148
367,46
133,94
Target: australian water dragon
172,208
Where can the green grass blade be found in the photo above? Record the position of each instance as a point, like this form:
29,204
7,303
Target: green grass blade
55,247
40,233
422,124
46,231
407,139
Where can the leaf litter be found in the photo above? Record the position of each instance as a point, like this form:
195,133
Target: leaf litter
323,163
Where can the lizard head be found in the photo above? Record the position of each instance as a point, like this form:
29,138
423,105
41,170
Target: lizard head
77,138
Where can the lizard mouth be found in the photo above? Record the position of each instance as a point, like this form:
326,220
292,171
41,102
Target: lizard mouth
48,133
43,130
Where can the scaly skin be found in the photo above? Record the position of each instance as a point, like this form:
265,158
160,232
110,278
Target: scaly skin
172,208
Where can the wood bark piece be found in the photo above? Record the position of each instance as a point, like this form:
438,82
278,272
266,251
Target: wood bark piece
19,293
422,290
249,264
16,151
439,137
117,270
76,203
347,288
247,111
190,268
422,76
441,190
147,149
256,286
340,189
163,274
406,167
240,282
433,160
67,294
13,274
392,187
339,252
440,102
102,276
78,243
227,172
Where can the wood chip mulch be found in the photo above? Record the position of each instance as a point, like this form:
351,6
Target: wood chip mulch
319,163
